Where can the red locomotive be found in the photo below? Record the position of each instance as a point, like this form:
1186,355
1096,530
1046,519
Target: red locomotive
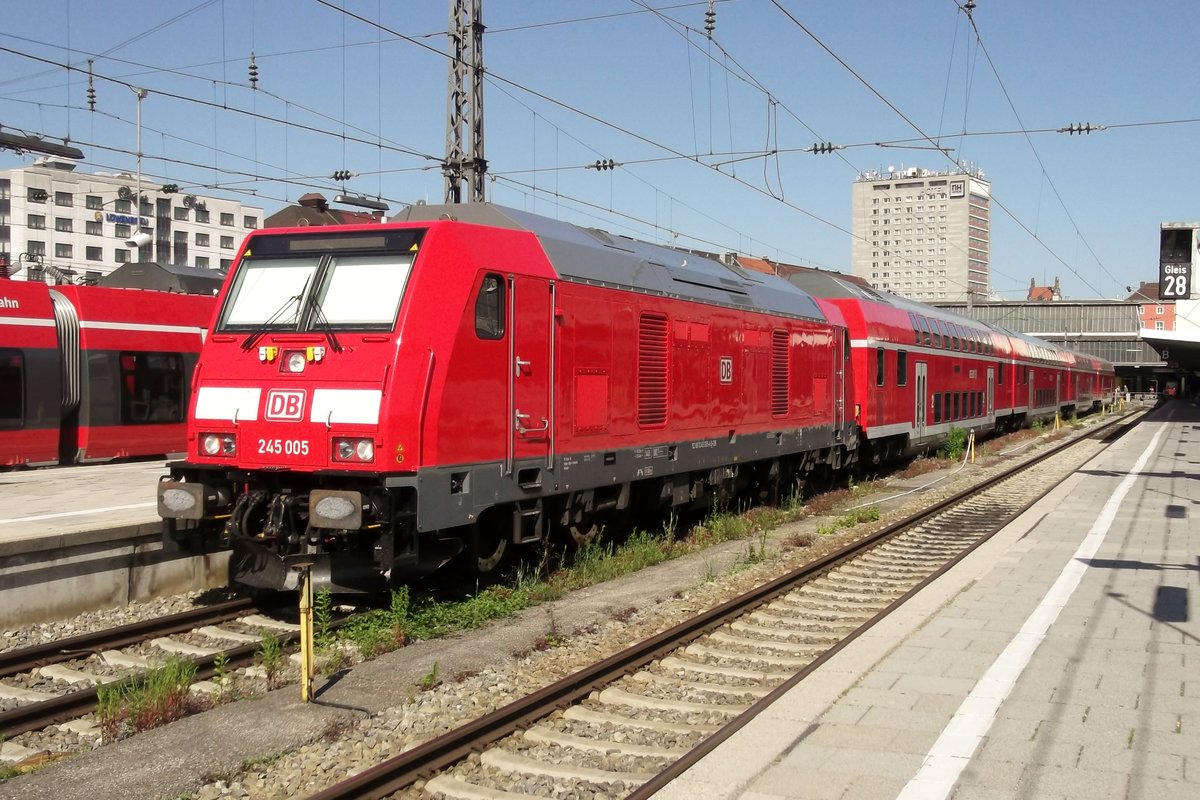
380,399
93,373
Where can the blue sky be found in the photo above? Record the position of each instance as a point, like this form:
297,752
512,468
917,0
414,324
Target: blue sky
573,81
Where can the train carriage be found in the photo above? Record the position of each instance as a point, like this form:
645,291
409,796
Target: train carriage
92,373
921,370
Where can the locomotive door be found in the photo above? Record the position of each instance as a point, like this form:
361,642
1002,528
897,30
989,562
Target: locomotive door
919,402
531,378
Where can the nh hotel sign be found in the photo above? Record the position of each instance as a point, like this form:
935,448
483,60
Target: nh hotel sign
123,219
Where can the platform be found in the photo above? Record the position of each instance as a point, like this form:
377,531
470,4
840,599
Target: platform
73,539
1060,660
97,499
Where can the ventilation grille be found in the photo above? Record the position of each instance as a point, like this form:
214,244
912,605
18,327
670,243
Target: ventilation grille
779,373
652,371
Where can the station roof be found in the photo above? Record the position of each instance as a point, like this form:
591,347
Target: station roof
1179,349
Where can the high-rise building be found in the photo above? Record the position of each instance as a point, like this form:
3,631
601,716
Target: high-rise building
921,234
54,218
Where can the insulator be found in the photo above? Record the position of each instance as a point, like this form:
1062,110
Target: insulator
253,72
710,19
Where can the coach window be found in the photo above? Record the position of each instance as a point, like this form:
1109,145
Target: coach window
936,330
937,408
489,308
12,389
1000,374
924,323
901,367
880,366
151,388
912,318
954,398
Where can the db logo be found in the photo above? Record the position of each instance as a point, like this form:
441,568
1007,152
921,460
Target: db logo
285,404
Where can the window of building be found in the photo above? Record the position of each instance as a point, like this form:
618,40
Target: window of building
93,228
202,261
181,213
122,230
64,251
249,222
202,215
94,202
1159,325
63,224
226,263
121,256
94,254
36,222
65,199
123,206
201,240
1158,309
181,237
226,242
227,219
35,248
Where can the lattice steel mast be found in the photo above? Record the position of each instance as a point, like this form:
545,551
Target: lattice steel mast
464,99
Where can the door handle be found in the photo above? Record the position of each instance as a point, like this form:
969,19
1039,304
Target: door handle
520,424
521,366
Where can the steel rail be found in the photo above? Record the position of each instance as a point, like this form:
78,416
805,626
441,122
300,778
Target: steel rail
78,703
14,662
402,771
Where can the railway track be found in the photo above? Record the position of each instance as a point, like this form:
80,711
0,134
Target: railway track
57,682
629,724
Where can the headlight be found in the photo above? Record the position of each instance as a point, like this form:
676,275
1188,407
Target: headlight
296,361
361,450
218,444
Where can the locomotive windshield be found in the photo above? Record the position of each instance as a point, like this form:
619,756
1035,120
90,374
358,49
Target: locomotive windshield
322,282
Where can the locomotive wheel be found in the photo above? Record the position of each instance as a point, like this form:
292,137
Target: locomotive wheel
585,531
489,545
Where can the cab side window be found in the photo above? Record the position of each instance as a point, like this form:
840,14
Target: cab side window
489,308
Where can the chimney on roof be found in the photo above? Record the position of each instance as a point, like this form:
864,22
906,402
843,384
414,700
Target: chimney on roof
314,200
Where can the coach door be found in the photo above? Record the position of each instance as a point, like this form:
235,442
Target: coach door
919,401
991,393
531,378
839,386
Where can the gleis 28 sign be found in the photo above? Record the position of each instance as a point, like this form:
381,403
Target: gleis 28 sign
1176,260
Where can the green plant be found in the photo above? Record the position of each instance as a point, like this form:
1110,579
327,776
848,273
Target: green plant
956,444
323,616
270,656
430,679
221,670
1038,425
157,697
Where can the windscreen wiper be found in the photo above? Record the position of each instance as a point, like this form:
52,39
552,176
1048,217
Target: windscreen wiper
323,324
262,329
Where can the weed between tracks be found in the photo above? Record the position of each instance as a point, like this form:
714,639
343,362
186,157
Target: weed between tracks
146,701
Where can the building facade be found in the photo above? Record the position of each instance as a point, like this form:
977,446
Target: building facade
921,234
84,224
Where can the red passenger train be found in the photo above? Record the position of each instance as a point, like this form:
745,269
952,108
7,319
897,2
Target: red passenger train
380,399
92,373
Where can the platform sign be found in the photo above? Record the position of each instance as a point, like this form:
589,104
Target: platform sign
1176,260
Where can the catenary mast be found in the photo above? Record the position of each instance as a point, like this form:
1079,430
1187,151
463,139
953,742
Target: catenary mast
465,104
